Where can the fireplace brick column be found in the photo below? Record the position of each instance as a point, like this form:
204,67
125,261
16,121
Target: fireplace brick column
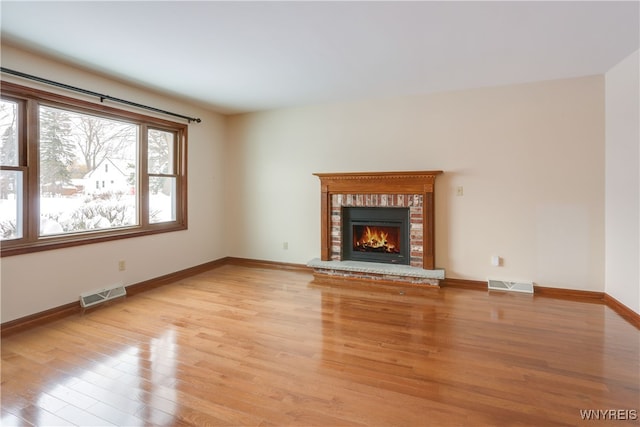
414,190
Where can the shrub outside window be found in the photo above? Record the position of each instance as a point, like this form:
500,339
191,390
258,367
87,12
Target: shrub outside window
75,172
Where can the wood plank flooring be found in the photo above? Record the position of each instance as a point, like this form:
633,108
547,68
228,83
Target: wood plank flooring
242,346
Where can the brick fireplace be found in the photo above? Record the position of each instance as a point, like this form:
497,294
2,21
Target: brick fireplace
413,191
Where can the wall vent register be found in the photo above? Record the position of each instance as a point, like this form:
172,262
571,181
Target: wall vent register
89,299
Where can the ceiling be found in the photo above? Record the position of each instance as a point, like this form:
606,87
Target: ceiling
248,56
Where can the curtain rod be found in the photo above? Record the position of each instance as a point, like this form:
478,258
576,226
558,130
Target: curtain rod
96,94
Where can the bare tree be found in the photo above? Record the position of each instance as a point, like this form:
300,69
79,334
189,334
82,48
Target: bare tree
8,140
98,138
8,147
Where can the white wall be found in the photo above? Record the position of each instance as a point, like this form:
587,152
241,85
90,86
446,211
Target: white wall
40,281
622,212
530,158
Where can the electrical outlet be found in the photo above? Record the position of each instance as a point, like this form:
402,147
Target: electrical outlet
285,245
122,265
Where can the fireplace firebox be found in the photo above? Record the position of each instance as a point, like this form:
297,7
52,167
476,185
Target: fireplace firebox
376,234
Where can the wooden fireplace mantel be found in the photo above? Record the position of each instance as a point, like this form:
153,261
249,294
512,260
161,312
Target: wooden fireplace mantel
406,182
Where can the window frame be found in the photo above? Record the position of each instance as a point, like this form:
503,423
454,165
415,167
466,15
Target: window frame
29,99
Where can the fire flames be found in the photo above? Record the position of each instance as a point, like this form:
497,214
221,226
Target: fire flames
376,239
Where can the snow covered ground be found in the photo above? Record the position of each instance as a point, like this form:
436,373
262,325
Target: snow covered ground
60,214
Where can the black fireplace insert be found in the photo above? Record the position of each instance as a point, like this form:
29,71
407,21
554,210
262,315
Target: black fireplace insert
376,234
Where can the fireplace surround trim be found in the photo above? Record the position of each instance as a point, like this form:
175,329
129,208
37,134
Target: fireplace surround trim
406,182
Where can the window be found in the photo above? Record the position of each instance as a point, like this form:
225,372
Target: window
11,172
74,172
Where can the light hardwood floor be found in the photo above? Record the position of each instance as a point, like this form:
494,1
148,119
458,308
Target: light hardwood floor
252,346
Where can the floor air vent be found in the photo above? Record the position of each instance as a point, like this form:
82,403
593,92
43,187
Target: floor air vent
96,297
503,285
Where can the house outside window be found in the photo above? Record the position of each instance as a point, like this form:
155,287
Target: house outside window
138,165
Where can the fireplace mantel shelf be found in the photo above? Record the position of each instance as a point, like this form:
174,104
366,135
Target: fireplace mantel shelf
375,175
378,182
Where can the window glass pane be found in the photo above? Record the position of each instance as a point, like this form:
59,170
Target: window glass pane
10,205
162,199
88,172
161,152
8,133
